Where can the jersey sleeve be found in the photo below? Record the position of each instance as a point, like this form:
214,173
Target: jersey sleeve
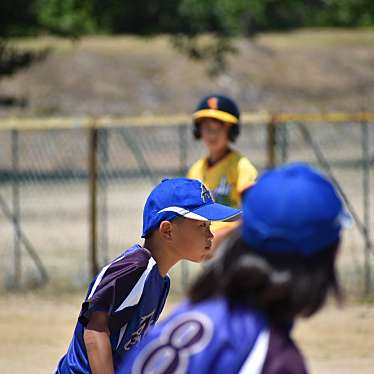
111,286
196,170
247,174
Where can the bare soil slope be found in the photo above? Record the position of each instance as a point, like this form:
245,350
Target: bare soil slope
300,71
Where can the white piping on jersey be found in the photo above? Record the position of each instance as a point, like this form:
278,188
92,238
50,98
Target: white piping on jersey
256,359
183,212
121,333
147,251
134,296
101,274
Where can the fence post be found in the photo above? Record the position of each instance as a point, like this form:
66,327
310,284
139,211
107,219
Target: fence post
183,146
366,203
103,153
92,172
16,208
271,144
283,132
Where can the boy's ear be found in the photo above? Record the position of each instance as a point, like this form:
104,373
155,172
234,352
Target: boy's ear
165,230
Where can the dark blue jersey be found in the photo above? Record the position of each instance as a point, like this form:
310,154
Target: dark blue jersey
213,337
131,290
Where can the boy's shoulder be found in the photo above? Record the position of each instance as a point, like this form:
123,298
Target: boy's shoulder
237,156
233,157
283,355
195,171
130,260
124,270
133,258
121,280
135,254
238,165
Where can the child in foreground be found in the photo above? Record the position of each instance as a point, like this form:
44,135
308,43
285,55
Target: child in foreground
128,294
279,266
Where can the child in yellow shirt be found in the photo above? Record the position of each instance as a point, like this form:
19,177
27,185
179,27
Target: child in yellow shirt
224,171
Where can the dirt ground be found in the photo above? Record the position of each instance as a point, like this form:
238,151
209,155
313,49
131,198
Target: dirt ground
37,326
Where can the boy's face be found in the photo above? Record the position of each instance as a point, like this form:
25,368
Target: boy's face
214,134
192,239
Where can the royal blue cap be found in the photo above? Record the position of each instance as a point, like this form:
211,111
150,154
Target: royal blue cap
184,197
293,208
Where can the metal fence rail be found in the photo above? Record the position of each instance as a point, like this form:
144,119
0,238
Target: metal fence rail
72,189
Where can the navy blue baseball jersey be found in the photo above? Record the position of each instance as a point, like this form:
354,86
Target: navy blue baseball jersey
214,337
132,291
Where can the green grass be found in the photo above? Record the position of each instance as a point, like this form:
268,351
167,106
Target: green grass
319,38
293,39
98,43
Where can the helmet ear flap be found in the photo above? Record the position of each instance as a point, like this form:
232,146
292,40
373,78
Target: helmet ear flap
196,130
234,132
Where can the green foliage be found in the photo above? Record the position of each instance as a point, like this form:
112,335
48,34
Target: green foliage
227,18
186,20
188,17
220,16
70,18
213,50
142,17
347,13
17,17
246,17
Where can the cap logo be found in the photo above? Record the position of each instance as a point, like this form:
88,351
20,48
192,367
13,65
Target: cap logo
213,103
205,194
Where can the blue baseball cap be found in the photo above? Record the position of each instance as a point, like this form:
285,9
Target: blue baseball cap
183,197
293,208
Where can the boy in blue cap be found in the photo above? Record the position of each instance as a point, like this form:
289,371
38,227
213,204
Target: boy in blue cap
279,266
128,294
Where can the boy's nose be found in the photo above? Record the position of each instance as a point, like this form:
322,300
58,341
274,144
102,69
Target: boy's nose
210,234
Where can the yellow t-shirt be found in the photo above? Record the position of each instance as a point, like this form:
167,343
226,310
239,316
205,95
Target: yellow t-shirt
226,179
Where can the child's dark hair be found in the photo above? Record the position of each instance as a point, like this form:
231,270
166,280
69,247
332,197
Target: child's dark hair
283,285
233,133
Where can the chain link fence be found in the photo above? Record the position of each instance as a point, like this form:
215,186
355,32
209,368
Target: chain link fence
344,151
72,191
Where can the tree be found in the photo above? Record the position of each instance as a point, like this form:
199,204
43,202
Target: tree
67,18
184,20
14,18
